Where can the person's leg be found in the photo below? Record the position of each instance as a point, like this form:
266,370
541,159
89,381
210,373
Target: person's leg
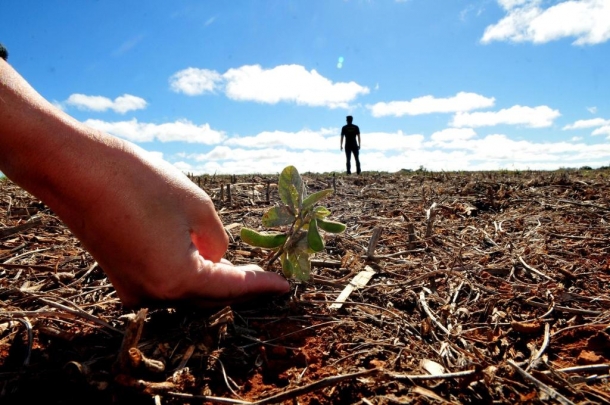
356,157
348,158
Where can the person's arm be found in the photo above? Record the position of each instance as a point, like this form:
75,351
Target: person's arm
155,234
359,142
341,142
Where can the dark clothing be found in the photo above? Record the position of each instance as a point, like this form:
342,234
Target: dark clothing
348,151
351,132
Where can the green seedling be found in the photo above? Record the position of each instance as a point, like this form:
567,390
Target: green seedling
302,220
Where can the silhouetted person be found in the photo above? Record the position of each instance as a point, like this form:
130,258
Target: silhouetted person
350,132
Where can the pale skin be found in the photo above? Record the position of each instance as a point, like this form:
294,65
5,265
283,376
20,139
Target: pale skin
155,234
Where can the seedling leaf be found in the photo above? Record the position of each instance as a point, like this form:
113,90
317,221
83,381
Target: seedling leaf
278,216
303,269
287,266
295,246
301,265
295,198
263,240
314,240
315,197
331,226
321,212
290,178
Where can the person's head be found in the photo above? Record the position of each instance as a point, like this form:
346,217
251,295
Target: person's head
3,52
349,119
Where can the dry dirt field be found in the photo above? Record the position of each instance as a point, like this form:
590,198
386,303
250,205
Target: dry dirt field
486,287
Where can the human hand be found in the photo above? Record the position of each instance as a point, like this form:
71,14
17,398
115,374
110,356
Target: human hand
155,234
158,238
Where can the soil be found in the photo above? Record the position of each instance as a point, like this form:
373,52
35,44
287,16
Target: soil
488,287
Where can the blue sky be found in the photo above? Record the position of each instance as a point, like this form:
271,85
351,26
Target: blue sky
253,86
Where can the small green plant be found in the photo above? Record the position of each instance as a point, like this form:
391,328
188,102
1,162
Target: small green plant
302,219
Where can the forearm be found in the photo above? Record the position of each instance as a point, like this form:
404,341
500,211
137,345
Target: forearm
155,234
41,148
79,172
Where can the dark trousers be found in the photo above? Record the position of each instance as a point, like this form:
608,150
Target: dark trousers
349,149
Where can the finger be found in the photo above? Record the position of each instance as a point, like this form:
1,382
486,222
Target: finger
221,282
217,284
248,280
208,234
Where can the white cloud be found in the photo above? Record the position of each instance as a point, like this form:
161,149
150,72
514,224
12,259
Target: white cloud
58,105
121,104
590,123
284,83
462,151
453,134
534,117
127,103
525,150
498,147
182,130
510,4
391,141
462,101
304,139
183,166
592,110
498,151
155,155
223,159
514,27
84,102
193,81
251,156
605,130
325,139
130,130
289,83
586,20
